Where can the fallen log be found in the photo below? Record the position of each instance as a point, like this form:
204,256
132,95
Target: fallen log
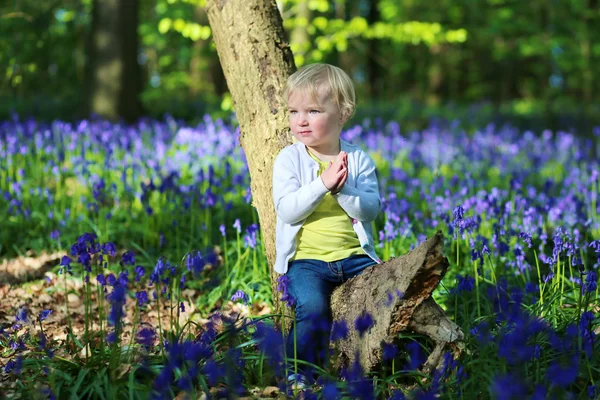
397,294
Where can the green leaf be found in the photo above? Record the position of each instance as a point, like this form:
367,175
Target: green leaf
164,25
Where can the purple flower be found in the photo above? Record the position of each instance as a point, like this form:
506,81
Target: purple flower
22,315
465,284
111,338
240,295
146,337
526,238
182,307
363,323
55,235
117,299
66,262
330,391
591,282
339,330
250,238
485,250
101,279
14,366
283,283
139,272
563,376
237,225
128,258
111,280
389,351
194,262
44,314
109,249
222,230
142,297
417,358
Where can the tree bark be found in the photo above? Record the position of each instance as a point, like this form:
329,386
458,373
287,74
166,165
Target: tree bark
113,80
256,60
397,294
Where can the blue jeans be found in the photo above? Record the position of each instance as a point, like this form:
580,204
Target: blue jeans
311,285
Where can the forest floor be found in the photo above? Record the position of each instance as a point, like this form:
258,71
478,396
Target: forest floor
29,281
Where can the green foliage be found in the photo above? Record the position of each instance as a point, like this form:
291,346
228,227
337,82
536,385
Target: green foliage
534,58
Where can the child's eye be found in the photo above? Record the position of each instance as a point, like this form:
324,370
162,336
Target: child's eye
292,111
314,111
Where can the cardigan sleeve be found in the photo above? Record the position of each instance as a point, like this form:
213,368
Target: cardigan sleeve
294,202
362,202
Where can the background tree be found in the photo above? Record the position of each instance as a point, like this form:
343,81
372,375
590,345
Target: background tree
113,78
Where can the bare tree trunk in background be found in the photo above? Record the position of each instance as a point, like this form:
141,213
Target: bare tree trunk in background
113,78
374,72
257,61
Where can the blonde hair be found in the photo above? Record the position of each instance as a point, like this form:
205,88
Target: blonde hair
312,77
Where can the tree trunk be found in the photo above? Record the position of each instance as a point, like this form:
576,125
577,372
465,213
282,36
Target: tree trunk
256,60
397,294
113,72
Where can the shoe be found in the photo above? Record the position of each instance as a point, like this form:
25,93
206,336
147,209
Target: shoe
298,381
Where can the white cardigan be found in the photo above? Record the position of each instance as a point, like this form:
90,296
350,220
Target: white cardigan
298,190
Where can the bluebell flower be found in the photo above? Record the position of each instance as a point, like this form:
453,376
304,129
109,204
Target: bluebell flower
139,272
465,284
339,330
416,355
591,282
142,297
65,262
330,391
222,230
592,391
55,235
109,248
128,258
270,342
182,307
111,280
22,315
283,283
563,375
485,250
117,299
240,295
111,338
250,238
389,351
14,367
237,225
363,323
194,262
101,279
526,238
397,395
146,337
508,387
213,371
44,314
123,278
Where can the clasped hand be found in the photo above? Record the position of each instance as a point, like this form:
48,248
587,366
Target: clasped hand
335,175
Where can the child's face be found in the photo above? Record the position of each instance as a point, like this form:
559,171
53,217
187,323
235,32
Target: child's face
317,123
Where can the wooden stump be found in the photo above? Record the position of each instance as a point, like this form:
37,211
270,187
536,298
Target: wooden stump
397,294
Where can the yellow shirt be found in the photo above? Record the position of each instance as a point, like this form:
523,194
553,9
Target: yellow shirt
327,233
